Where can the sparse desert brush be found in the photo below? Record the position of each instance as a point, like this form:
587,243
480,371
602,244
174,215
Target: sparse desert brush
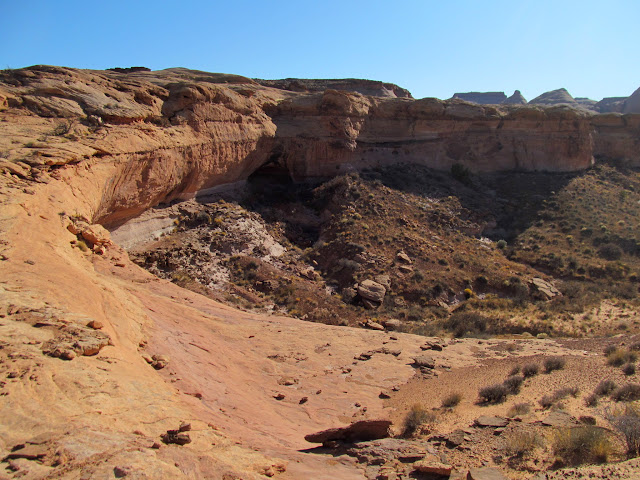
530,370
629,369
591,400
555,363
417,416
619,357
451,400
609,349
605,387
627,393
580,445
521,443
514,371
548,401
519,409
635,346
493,393
513,384
627,422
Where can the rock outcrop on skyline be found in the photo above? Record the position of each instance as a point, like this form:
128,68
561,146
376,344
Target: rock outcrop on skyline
516,99
482,98
364,87
555,97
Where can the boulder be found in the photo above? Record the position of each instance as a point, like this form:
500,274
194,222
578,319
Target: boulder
403,257
392,324
544,288
424,361
560,419
370,290
433,466
362,430
491,421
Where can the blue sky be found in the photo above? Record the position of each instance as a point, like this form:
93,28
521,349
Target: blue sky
433,48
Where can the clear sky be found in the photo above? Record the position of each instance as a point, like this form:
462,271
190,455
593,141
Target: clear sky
433,48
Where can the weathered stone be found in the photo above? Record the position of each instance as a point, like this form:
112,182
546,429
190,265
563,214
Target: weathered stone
95,324
370,290
544,288
432,345
370,324
176,437
358,431
433,466
403,257
424,361
80,340
559,419
491,421
485,473
392,324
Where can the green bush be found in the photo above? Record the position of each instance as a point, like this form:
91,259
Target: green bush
417,417
627,422
580,445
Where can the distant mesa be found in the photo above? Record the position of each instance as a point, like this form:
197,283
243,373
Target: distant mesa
129,69
516,99
555,97
482,98
365,87
491,98
611,105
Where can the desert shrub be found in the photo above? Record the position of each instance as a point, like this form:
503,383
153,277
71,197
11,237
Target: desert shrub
501,244
610,251
530,370
605,387
546,401
627,422
555,363
463,323
513,384
591,400
461,173
493,394
519,409
584,444
627,393
452,400
417,417
635,346
514,371
629,369
522,443
619,357
609,349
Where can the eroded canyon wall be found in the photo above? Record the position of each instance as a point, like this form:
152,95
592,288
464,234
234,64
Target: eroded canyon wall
151,137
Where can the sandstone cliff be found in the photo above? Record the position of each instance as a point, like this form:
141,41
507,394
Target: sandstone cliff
179,131
323,134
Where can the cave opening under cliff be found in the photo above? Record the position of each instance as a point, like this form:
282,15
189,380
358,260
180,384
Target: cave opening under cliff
271,175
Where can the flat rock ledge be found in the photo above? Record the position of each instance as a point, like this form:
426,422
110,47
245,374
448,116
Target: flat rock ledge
360,431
